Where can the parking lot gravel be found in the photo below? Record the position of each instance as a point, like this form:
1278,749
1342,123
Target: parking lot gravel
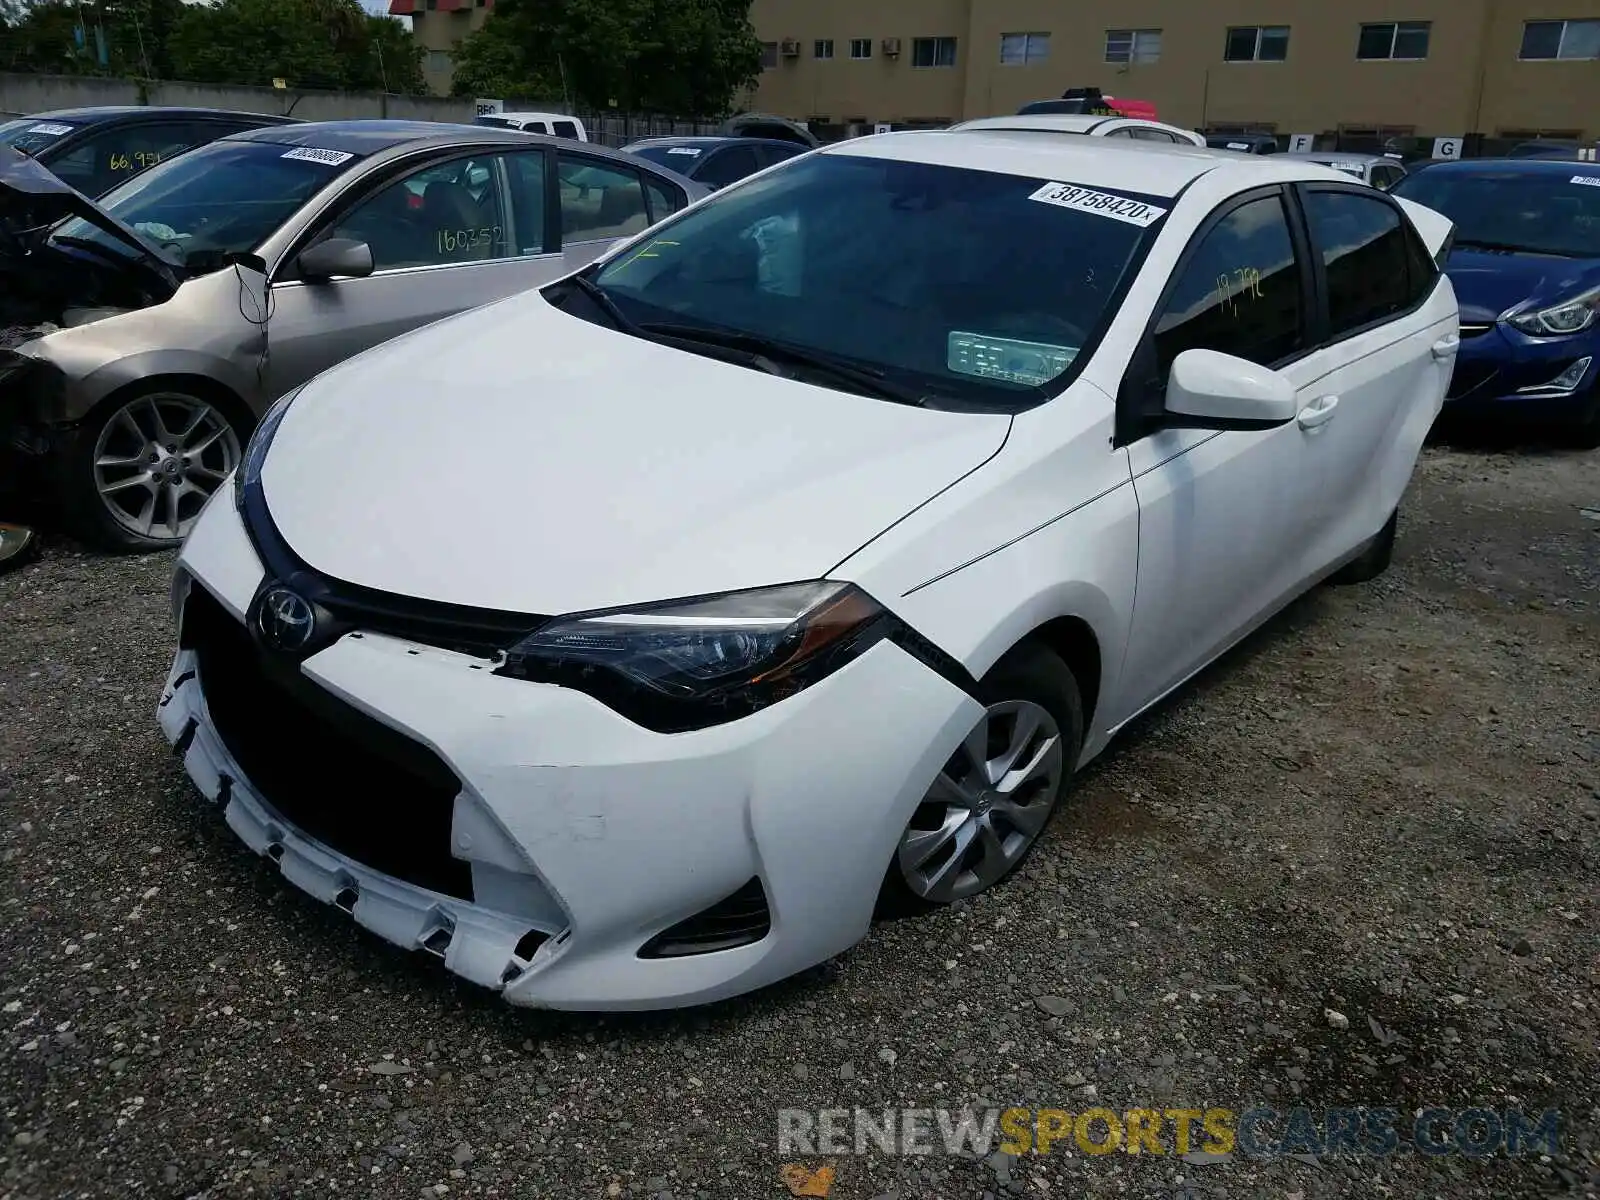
1384,805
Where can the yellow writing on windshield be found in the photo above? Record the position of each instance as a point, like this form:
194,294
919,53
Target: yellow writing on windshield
136,160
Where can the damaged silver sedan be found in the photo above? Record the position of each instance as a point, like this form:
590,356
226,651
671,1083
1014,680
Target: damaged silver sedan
142,336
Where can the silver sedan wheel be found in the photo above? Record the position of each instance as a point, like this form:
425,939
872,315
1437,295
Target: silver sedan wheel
157,461
987,806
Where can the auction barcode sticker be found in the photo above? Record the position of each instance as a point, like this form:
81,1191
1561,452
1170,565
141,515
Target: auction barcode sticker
1101,204
328,158
50,129
691,151
1586,180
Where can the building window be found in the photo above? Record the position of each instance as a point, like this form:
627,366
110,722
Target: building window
933,52
438,61
1560,39
1401,40
1227,127
1133,45
769,55
822,48
1023,49
1257,43
860,48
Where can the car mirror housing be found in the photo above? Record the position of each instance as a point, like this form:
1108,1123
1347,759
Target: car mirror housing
334,258
1209,390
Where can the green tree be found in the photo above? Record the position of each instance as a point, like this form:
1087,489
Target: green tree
680,56
309,43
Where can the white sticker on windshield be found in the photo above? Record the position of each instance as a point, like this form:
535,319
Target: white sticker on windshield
1586,180
691,151
1101,204
1006,359
1238,145
1348,168
49,129
328,158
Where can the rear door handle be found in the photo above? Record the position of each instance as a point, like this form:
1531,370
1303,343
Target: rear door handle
1318,412
1446,347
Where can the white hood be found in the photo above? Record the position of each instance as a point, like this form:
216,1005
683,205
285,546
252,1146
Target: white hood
520,459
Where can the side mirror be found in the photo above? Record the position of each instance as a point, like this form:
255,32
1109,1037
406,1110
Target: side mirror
334,258
1208,390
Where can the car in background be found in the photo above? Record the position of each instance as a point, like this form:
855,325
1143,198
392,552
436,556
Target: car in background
1118,127
1243,143
715,161
632,642
1379,170
559,125
1525,263
95,149
1089,102
140,338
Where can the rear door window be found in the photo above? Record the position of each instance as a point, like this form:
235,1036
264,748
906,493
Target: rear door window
1363,246
599,200
664,198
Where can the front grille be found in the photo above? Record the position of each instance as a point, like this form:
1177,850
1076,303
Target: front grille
354,784
1469,377
478,631
483,632
738,920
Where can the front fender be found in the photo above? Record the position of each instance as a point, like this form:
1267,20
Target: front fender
79,398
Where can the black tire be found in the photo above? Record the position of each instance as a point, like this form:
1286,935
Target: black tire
1028,672
90,516
1586,433
1374,560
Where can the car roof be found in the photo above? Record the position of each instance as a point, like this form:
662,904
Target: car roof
1504,166
370,137
708,141
1074,123
1149,168
124,112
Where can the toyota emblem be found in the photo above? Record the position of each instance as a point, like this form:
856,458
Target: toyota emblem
285,619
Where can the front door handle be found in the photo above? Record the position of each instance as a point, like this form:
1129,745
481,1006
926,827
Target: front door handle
1318,412
1446,347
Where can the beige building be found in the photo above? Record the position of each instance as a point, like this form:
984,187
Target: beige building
439,26
1389,67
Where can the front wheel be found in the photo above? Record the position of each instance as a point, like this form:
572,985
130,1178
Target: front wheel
985,810
140,468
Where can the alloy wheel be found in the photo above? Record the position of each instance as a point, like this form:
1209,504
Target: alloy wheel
158,460
987,806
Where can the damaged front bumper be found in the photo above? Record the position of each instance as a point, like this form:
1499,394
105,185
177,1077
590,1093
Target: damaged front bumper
568,843
29,388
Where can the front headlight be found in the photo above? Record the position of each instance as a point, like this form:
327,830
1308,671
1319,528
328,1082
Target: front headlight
1572,316
248,473
686,664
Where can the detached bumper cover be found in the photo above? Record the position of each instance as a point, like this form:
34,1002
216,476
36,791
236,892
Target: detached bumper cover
584,830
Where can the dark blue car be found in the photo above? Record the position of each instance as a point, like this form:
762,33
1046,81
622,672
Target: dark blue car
1525,264
715,161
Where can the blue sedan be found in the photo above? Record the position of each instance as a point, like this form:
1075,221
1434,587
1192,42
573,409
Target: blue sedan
1525,264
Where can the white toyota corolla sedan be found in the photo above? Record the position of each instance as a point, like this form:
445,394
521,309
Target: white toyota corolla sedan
630,642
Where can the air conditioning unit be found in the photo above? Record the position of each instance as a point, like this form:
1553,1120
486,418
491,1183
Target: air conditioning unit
891,47
791,47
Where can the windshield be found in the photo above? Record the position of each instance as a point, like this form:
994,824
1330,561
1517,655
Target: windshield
960,283
32,135
218,200
678,158
1540,212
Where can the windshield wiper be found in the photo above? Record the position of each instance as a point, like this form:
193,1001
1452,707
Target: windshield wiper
1511,248
869,382
605,303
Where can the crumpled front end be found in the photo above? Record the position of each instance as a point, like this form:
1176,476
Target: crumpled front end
535,840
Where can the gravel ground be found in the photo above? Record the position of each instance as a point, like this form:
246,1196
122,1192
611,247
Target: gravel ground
1385,805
